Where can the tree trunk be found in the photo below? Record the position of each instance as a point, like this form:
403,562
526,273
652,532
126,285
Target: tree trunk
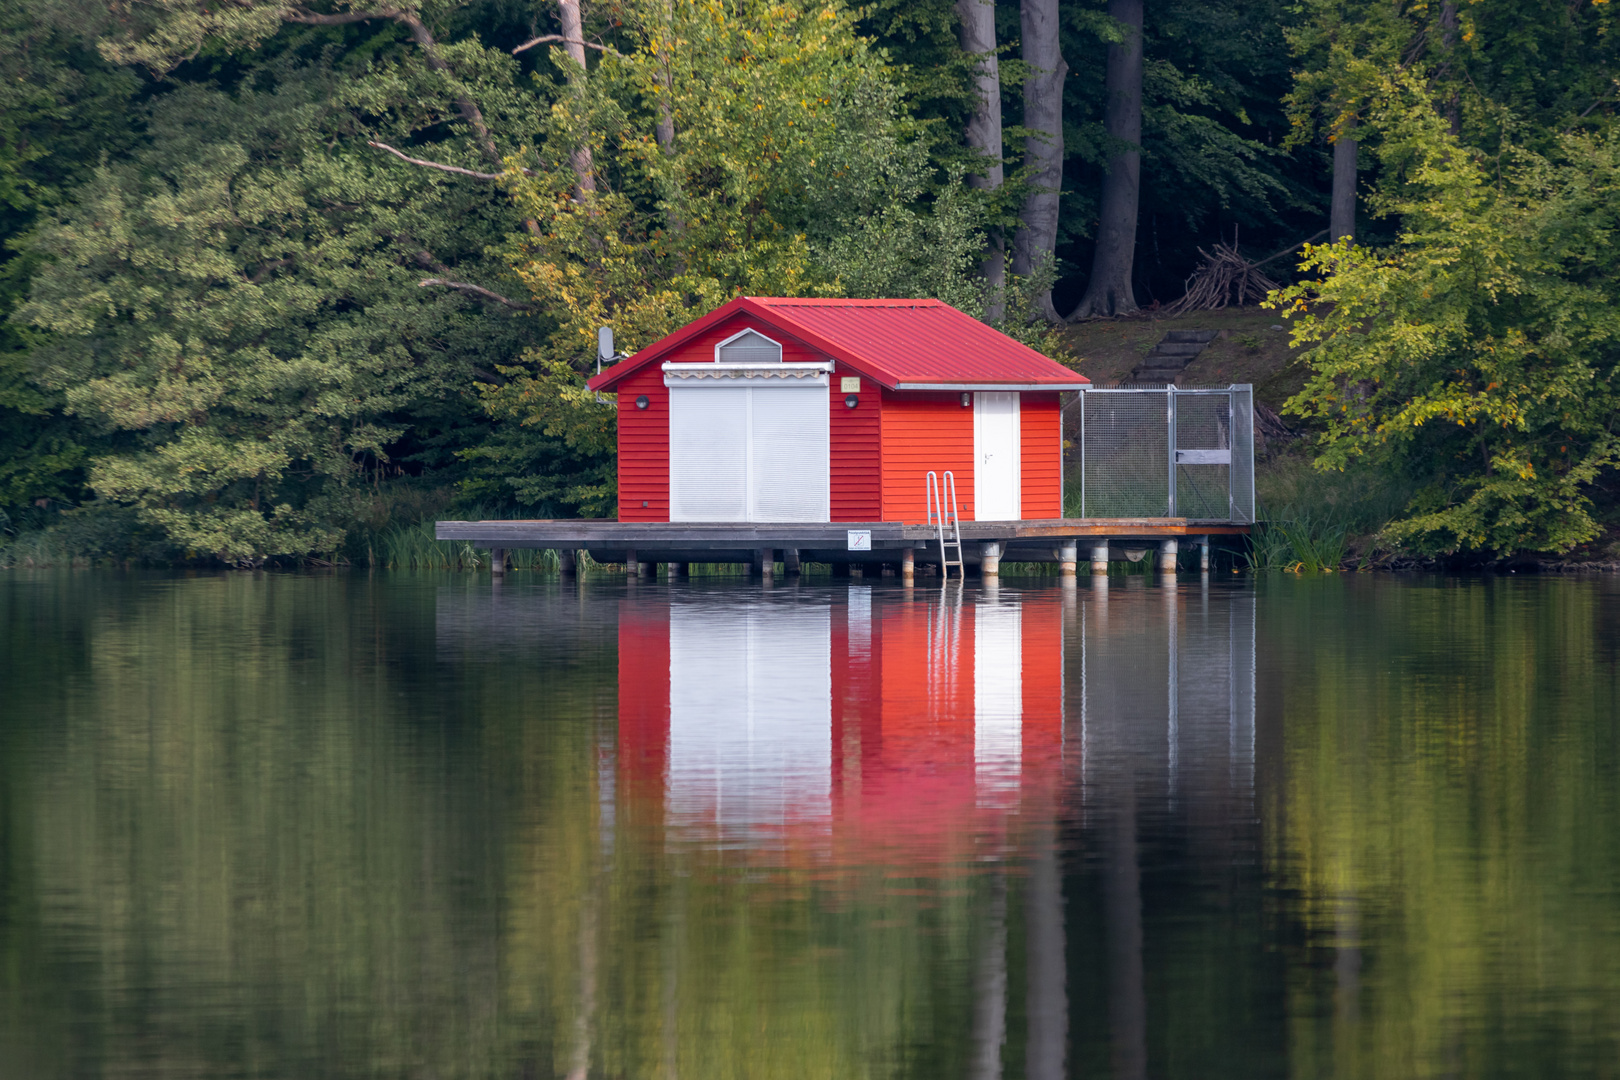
573,32
1109,290
1036,238
977,35
1127,983
1448,44
1342,215
989,1030
1048,1005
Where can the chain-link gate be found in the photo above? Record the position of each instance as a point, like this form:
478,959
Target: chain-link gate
1167,452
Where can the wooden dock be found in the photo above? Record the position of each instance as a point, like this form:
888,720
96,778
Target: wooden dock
985,544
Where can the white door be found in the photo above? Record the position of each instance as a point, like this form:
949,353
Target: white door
996,465
749,453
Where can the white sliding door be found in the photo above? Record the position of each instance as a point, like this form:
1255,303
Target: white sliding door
749,453
997,465
708,453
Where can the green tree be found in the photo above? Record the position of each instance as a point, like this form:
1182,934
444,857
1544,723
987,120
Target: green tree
1481,345
61,108
240,305
743,147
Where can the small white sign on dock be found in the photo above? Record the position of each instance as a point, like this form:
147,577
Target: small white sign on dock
860,539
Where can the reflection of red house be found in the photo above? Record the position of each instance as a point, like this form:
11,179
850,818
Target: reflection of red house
788,410
903,720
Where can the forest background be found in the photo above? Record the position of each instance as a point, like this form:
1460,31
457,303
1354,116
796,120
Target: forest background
278,279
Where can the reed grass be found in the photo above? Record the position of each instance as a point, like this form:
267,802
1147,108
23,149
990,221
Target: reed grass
1299,545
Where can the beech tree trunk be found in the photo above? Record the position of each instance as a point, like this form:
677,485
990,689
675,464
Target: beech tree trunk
1448,44
989,1030
1036,239
1109,290
1127,982
1342,212
1048,1004
977,35
573,32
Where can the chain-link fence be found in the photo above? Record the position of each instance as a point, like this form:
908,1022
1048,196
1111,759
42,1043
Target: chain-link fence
1167,452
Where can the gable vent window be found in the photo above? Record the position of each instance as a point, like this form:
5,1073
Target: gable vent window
748,347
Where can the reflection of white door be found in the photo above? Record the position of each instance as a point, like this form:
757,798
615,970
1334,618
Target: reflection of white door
748,453
998,692
996,487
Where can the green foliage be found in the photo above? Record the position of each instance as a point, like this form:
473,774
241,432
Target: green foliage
791,170
61,109
1483,342
238,305
1300,545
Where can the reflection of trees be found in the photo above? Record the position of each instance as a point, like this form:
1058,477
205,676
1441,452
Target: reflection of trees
283,822
1445,808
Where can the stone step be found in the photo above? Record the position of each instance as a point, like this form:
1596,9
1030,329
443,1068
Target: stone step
1185,336
1188,349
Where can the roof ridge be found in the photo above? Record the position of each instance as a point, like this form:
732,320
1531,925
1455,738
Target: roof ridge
835,301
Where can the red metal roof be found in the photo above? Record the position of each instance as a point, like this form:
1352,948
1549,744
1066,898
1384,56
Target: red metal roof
900,344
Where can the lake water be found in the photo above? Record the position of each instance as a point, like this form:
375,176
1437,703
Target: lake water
427,827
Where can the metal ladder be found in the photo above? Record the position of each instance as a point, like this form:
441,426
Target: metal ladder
939,495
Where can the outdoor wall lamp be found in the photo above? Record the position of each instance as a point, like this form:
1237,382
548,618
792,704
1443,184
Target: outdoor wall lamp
851,401
642,402
967,399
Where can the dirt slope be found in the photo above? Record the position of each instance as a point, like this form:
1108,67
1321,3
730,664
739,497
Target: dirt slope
1248,350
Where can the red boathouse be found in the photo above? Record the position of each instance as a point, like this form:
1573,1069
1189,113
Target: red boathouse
817,410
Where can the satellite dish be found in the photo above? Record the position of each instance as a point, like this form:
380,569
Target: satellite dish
604,343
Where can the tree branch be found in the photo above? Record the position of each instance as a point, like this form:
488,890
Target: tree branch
312,18
1294,247
456,169
559,39
464,104
476,290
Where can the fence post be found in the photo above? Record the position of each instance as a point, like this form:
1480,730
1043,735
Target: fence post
1170,438
1083,400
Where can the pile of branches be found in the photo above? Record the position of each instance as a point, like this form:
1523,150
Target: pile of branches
1224,277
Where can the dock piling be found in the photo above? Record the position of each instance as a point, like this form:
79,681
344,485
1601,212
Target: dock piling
1099,559
790,562
1203,554
1068,556
990,560
567,562
908,567
1168,551
497,561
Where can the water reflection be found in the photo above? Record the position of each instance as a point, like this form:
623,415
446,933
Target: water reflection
895,730
416,826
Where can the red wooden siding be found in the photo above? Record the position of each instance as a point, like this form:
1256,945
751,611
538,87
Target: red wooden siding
1041,453
856,451
644,447
923,432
